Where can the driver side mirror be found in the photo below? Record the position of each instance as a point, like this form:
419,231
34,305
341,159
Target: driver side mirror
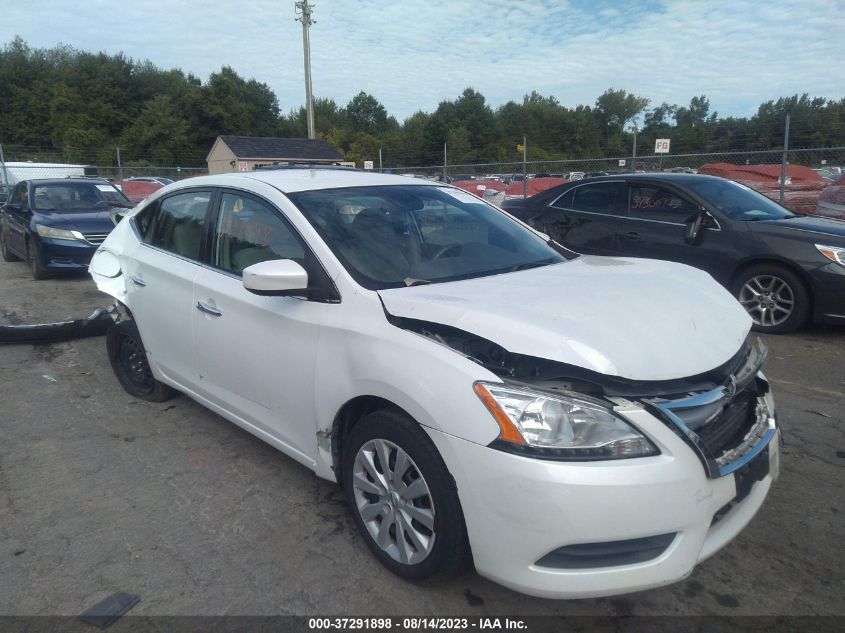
694,228
276,278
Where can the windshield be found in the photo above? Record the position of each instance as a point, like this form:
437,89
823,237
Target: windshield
77,196
403,235
737,201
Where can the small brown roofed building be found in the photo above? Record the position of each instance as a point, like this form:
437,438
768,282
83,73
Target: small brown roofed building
245,153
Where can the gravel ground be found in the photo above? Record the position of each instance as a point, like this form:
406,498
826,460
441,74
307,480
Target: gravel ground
101,493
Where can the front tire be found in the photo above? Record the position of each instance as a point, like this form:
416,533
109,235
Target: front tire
776,298
403,498
39,272
128,360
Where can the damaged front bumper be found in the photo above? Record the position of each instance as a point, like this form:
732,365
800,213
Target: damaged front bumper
97,324
588,529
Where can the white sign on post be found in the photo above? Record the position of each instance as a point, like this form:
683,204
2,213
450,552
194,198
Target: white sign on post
368,164
242,166
621,162
661,146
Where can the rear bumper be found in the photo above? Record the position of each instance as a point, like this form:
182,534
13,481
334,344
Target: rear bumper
65,254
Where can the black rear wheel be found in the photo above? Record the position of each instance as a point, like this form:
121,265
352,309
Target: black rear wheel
4,249
128,359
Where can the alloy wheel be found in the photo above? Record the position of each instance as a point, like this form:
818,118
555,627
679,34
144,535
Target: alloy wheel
394,501
768,299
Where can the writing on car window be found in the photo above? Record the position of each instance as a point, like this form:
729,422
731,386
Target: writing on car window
659,204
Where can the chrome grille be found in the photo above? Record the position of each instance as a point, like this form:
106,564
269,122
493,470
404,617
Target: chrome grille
759,429
95,238
727,426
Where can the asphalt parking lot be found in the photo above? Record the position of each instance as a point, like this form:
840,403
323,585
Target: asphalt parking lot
101,493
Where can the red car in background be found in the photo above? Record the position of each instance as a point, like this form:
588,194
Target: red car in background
801,190
535,186
832,200
138,188
480,185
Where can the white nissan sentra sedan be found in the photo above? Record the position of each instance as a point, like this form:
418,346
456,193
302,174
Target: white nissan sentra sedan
575,426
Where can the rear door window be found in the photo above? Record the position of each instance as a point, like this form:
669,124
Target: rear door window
652,202
602,197
178,224
19,196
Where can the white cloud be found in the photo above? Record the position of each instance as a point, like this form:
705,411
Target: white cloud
412,54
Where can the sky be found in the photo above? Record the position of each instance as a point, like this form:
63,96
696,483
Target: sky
412,54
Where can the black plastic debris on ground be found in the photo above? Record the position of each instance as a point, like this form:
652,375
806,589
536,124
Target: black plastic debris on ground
107,611
95,325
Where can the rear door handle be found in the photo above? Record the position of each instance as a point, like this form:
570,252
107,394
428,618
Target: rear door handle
138,281
204,307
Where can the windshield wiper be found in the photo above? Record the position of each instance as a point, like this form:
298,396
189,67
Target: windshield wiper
527,265
410,281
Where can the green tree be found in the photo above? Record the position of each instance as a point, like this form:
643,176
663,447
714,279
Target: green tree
159,134
615,108
366,114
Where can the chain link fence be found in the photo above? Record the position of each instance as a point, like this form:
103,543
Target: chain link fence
798,190
827,160
22,162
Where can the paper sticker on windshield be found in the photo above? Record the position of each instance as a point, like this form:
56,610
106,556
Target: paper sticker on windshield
105,187
459,194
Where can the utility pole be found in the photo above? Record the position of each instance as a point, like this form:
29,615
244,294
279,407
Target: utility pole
119,167
3,165
445,162
303,12
634,159
380,168
783,160
524,167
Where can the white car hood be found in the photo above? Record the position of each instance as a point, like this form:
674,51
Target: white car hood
638,319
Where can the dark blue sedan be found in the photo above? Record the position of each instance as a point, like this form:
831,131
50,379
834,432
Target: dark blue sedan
57,224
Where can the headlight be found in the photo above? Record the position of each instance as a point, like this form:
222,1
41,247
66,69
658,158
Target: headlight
57,234
833,253
560,427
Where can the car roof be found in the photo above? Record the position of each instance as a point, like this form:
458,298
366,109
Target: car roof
64,181
657,175
303,179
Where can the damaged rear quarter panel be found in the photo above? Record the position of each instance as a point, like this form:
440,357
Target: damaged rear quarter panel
107,267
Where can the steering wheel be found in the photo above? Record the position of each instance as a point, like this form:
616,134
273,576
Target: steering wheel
449,250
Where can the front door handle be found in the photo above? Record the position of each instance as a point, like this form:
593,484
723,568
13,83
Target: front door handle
204,307
138,281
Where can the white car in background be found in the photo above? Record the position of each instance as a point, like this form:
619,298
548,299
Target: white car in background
576,426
